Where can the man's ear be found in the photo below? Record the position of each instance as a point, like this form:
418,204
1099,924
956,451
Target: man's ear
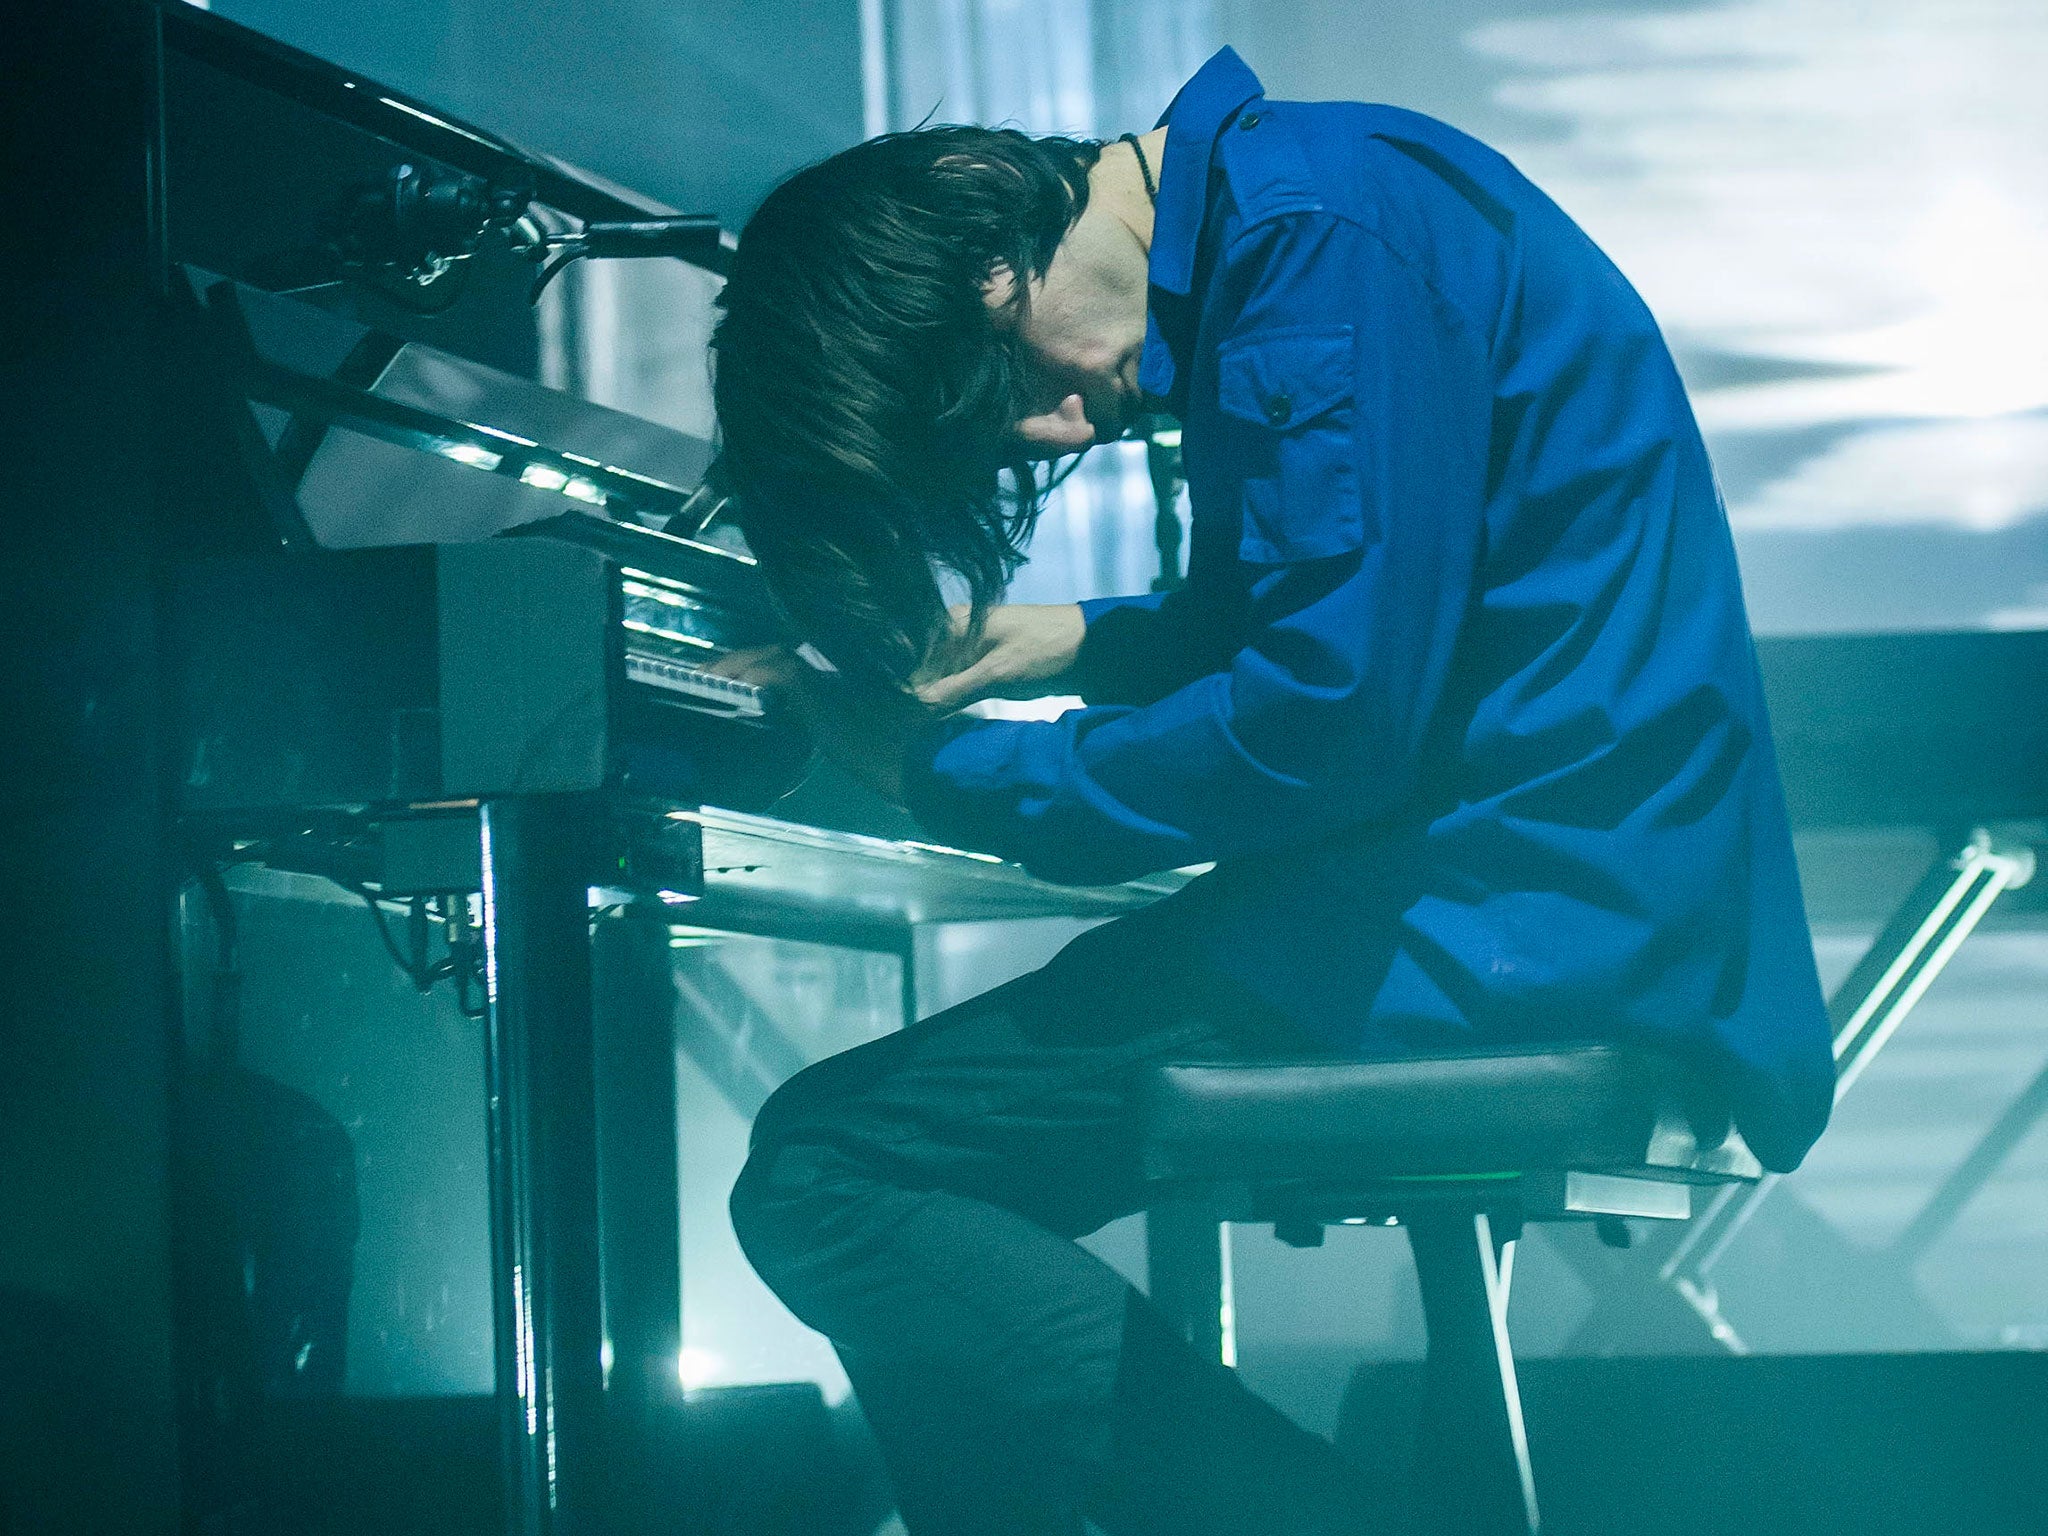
1000,291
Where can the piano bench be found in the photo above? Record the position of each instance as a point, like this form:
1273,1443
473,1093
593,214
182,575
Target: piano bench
1462,1150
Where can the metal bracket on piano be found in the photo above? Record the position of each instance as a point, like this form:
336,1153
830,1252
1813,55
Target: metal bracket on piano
1866,1010
691,237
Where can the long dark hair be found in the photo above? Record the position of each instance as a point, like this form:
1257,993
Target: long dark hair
867,396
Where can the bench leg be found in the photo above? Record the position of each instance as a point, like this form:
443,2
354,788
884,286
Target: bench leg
1187,1275
1472,1465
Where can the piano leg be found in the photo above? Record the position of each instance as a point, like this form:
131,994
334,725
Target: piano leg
640,1226
543,1162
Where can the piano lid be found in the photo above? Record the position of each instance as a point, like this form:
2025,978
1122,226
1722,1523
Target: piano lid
362,440
229,50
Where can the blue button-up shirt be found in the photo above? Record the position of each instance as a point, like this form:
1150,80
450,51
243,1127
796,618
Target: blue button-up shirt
1459,694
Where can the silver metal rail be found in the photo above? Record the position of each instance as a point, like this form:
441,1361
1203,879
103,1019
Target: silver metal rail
1951,899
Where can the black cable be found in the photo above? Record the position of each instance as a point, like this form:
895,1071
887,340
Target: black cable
555,264
460,966
416,969
465,955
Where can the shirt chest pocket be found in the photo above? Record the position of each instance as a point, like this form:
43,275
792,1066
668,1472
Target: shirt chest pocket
1288,435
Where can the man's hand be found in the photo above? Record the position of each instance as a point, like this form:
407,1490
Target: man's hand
1022,648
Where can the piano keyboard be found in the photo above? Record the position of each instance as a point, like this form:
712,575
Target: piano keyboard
693,685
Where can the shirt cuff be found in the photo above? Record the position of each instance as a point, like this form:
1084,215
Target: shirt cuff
1110,646
1092,608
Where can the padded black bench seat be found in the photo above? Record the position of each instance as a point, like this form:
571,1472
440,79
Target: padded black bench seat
1583,1106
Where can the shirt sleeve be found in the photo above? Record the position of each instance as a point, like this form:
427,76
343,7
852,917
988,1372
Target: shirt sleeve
1139,649
1358,471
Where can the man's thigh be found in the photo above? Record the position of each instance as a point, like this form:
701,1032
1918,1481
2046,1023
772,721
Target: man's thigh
1024,1096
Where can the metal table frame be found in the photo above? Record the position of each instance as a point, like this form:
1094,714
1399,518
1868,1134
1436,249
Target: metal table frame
586,1247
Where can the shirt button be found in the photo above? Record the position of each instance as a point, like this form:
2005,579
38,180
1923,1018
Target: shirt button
1279,408
1249,121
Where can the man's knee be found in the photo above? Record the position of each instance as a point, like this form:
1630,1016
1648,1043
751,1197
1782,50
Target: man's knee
806,1185
791,1202
765,1205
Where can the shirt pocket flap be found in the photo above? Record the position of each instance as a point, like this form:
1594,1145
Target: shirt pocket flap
1281,379
1287,441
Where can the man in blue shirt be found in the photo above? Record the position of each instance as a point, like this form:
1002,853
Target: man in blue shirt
1459,696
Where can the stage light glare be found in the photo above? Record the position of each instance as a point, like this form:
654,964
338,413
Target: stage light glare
697,1367
475,456
543,477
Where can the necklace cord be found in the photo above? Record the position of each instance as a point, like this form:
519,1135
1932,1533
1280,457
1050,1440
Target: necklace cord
1144,165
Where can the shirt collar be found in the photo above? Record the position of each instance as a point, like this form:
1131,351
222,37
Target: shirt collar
1192,120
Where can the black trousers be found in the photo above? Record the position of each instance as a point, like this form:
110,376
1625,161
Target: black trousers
916,1201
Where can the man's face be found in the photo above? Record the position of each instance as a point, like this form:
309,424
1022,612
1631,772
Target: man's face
1083,326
